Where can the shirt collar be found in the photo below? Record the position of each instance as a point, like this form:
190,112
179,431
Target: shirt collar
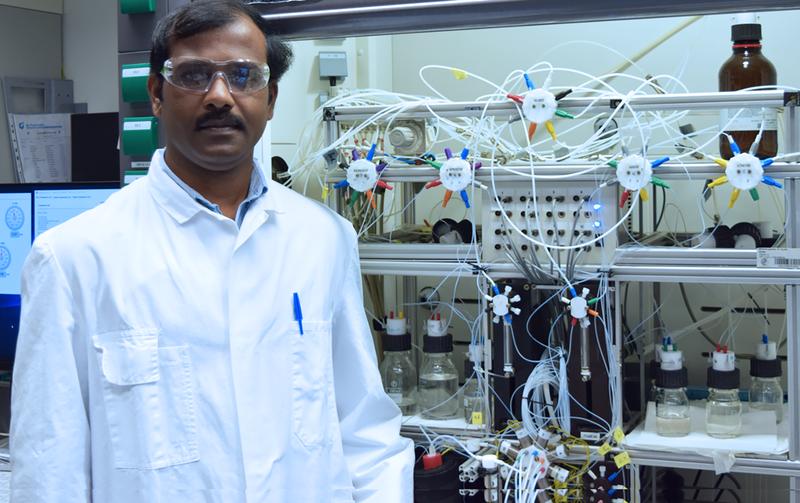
183,202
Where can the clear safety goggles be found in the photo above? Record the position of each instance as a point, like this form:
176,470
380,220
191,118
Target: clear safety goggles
196,75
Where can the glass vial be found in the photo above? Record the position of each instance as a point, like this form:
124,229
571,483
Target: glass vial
472,396
766,392
672,404
723,409
397,370
438,377
748,67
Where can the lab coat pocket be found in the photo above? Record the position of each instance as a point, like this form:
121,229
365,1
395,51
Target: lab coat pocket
148,393
311,384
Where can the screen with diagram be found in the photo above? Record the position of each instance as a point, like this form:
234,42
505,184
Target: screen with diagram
15,239
53,207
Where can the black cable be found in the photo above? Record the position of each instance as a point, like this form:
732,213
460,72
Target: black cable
663,208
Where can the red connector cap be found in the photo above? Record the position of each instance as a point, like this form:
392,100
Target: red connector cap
431,461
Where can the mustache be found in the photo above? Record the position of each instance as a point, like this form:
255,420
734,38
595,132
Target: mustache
217,119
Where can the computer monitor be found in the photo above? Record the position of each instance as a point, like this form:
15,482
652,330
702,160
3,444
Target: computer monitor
28,210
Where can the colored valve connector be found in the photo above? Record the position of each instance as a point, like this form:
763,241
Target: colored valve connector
539,106
634,173
744,171
579,306
362,177
456,174
501,304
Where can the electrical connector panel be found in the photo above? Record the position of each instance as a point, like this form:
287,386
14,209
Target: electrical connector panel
562,214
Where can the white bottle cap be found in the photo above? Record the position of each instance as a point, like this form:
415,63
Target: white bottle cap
436,328
723,362
489,461
396,326
768,351
671,360
745,18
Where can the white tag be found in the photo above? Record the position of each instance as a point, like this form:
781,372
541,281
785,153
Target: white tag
135,72
778,258
592,436
140,165
137,126
748,119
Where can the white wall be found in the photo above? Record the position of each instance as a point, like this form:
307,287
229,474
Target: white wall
52,6
90,52
30,46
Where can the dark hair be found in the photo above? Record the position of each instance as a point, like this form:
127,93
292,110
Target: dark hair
206,15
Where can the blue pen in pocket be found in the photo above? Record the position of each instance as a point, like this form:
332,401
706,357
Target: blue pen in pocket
298,312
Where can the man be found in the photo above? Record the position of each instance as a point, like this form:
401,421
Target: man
200,337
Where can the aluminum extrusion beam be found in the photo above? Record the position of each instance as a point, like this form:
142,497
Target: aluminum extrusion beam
304,19
699,171
779,467
676,101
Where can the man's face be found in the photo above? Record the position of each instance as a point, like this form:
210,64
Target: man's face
215,130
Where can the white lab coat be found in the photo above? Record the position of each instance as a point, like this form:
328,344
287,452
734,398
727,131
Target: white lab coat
159,360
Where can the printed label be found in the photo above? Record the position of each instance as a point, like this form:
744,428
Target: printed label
778,258
748,119
137,126
135,72
592,436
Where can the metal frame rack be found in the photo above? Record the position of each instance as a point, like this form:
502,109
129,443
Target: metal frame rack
631,264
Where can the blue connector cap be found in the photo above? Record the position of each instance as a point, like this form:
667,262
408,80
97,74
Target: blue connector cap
355,155
771,181
529,83
371,152
612,491
614,475
465,153
767,162
659,162
764,339
573,292
495,290
465,198
341,185
734,146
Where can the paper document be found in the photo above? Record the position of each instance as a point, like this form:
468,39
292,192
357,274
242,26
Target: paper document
41,147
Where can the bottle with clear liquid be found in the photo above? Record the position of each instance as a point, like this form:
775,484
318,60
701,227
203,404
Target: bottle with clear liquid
723,409
672,404
397,370
472,396
766,392
438,377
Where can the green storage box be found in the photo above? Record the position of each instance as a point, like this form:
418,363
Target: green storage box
134,82
137,6
139,136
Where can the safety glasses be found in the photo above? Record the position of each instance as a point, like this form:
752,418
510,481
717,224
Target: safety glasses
195,75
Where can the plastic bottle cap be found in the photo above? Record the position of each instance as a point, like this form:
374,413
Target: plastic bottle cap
431,461
396,326
489,462
671,360
745,18
723,362
436,328
768,351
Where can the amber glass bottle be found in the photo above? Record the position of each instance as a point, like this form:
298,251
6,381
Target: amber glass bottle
748,67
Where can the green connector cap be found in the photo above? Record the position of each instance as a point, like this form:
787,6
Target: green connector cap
612,163
137,6
564,114
659,182
134,83
139,136
754,194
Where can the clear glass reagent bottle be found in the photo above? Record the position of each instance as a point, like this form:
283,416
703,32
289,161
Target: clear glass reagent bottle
672,404
397,370
438,378
723,409
766,392
472,397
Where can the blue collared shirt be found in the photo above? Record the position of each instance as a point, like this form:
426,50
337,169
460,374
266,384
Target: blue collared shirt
258,187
